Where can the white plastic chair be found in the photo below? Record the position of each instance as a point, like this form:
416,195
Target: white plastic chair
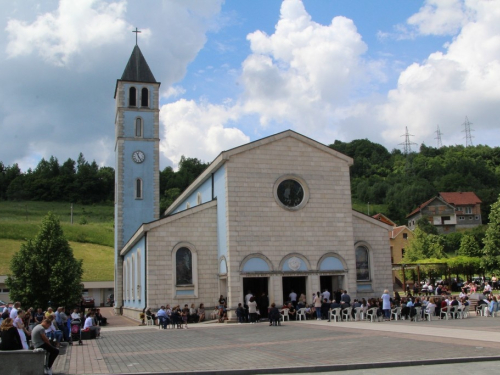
429,313
358,313
372,314
335,314
445,311
149,321
396,312
418,314
465,312
455,313
347,314
301,313
284,314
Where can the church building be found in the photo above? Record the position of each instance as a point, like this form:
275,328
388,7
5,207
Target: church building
267,217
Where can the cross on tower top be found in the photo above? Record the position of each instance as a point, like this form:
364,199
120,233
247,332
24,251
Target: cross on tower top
136,31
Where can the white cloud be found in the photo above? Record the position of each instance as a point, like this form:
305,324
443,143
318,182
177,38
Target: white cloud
440,17
198,130
304,71
58,35
462,81
64,58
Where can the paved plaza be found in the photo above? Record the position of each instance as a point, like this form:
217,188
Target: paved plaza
309,346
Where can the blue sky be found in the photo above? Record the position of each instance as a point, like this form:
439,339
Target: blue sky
236,70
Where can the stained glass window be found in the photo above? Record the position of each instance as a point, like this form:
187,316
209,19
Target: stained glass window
362,264
290,193
184,266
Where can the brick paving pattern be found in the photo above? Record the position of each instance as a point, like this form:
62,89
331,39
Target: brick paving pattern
308,344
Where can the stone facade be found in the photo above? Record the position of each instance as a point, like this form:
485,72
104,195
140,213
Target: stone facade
259,225
260,229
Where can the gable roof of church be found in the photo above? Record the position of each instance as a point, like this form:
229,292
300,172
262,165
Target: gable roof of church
137,69
225,155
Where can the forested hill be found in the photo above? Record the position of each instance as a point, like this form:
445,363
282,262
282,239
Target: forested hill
403,182
378,176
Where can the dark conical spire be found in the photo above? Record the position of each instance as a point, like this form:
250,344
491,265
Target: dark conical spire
137,69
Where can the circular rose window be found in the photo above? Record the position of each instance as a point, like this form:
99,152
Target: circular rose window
290,193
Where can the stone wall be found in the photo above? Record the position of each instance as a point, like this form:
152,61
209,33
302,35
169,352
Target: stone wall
197,227
258,224
374,235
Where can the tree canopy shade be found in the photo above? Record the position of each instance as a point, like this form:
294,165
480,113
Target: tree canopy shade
423,246
491,258
44,269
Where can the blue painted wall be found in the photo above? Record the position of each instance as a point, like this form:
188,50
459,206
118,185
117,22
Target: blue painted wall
137,302
137,211
206,193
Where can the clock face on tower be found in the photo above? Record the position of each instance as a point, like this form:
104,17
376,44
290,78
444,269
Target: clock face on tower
138,156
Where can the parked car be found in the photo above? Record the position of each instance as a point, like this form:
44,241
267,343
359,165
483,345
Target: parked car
88,302
111,299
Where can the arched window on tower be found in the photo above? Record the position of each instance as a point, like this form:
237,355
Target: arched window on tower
144,97
138,127
184,267
132,97
138,188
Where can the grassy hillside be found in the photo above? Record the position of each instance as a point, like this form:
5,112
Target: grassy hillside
97,260
90,235
374,208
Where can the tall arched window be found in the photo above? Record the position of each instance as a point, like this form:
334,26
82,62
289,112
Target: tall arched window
132,97
144,97
139,278
138,127
183,267
362,264
138,188
130,293
125,285
133,278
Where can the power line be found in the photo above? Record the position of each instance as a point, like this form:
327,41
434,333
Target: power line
407,143
439,142
468,136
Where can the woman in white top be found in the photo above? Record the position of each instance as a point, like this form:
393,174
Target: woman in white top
252,310
18,323
386,305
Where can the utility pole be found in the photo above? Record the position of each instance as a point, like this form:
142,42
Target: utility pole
407,147
468,136
438,137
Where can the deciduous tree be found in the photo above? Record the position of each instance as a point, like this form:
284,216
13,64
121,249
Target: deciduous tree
491,258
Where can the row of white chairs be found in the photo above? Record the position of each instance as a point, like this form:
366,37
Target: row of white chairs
345,314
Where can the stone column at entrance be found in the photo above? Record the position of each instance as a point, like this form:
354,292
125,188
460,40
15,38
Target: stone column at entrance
275,288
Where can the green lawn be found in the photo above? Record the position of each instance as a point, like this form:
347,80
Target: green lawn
374,208
98,260
32,211
91,235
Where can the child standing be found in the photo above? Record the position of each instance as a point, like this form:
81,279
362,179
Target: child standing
185,314
240,313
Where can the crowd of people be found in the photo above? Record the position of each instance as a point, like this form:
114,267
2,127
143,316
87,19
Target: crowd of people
22,329
175,317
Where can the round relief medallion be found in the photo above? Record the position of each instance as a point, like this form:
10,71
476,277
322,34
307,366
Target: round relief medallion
290,193
294,263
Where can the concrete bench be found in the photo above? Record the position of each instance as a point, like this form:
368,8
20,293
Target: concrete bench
22,362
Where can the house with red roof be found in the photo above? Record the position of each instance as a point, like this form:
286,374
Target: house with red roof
449,212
